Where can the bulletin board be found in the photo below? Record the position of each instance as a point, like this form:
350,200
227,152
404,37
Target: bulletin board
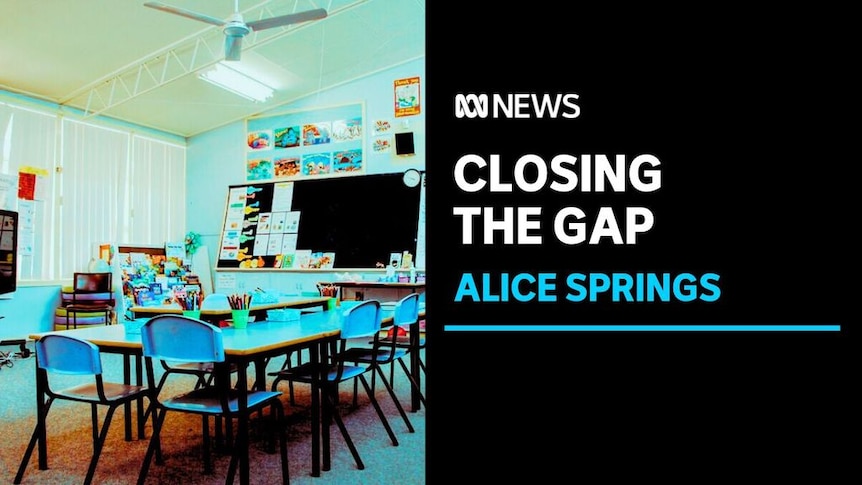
306,144
337,222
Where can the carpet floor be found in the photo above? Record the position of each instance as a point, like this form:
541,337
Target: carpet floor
70,438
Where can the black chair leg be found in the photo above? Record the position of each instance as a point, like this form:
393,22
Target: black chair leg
208,468
395,400
412,381
32,445
154,445
99,443
380,411
336,416
282,438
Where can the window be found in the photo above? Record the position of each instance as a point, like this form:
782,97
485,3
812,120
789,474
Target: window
94,184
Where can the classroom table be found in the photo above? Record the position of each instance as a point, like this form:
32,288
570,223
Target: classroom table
254,344
380,290
256,310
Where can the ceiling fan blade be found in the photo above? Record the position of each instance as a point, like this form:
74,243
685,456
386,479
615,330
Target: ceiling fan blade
232,47
293,18
185,13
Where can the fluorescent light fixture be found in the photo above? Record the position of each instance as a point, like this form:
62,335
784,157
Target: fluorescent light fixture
238,83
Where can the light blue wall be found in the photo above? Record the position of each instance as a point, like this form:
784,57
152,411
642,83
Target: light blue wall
30,309
215,160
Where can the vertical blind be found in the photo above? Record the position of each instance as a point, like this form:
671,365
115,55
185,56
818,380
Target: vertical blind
97,184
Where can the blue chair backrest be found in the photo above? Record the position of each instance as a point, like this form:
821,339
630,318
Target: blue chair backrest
182,339
68,355
361,320
406,311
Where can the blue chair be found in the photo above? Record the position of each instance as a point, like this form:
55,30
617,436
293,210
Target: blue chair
63,354
360,321
180,339
405,318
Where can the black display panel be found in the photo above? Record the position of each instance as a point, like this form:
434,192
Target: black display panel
362,219
8,251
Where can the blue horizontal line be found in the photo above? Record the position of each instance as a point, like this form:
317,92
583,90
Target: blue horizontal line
642,328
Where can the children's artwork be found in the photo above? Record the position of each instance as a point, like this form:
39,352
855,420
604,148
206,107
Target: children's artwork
274,245
381,126
230,244
316,163
395,260
288,243
347,130
286,167
302,258
287,260
287,137
291,221
382,144
281,146
278,221
321,260
259,169
263,225
327,260
261,242
175,251
347,161
316,133
407,96
259,140
282,196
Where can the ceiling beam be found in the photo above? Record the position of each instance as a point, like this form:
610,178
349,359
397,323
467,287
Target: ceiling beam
183,59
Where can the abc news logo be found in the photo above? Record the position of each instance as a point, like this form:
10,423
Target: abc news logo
516,105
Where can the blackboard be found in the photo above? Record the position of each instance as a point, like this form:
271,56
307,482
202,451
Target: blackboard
361,219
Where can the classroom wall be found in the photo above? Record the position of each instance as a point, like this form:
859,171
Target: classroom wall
30,309
216,159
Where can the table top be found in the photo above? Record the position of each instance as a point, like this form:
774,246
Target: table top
284,302
258,337
375,284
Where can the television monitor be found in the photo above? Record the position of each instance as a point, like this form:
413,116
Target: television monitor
8,252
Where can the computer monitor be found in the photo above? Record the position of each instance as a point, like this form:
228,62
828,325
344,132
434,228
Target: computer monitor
8,252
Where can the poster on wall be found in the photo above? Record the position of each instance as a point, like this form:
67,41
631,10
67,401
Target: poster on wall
346,130
302,145
287,137
407,96
259,140
8,191
381,144
347,161
316,133
259,169
381,127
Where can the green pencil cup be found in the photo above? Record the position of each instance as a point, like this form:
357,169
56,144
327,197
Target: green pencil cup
240,318
192,314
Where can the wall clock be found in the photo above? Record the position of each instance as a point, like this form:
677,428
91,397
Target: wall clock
412,177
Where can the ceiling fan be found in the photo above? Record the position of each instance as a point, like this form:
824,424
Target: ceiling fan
235,28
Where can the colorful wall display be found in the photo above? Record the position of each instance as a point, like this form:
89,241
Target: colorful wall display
407,102
306,144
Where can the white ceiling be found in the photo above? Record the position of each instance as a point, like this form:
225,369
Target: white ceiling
122,60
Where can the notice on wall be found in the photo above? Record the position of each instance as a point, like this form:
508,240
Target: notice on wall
8,191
